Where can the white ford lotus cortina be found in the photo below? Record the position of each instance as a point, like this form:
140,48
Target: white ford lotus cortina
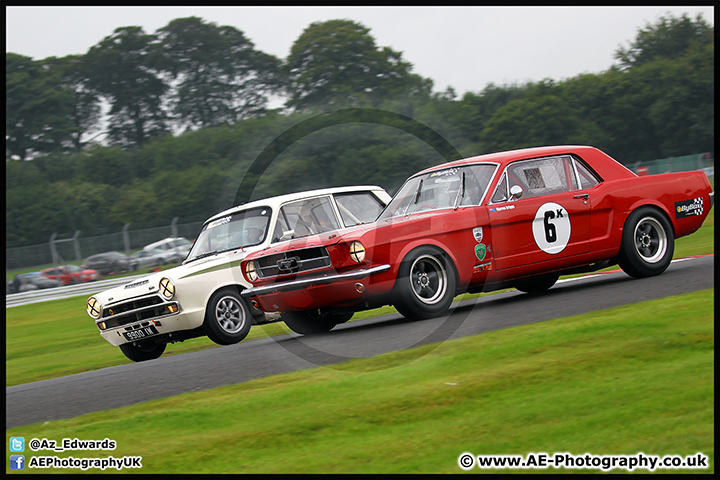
202,295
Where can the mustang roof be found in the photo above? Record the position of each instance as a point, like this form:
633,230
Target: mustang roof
609,167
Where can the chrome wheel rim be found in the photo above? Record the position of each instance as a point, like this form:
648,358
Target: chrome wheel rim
428,279
651,241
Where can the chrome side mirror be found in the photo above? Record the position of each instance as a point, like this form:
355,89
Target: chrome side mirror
516,192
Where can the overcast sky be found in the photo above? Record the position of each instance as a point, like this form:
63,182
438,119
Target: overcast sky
463,47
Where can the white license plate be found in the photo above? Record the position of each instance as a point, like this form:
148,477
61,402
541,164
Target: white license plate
141,333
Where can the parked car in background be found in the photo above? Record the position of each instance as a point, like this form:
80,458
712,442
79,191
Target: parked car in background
109,262
71,274
202,296
175,249
26,282
510,219
151,258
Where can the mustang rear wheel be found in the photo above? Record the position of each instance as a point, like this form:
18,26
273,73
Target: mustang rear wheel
227,318
425,284
142,352
307,322
647,244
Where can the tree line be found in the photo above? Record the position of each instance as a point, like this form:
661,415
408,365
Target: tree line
183,112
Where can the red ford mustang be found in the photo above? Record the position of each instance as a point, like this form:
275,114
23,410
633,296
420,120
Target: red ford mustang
512,219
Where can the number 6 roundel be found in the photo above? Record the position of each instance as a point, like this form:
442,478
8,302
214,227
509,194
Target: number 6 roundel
551,228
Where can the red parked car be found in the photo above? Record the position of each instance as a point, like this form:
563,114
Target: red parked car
71,274
511,219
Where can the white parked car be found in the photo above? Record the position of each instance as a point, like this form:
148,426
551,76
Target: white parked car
151,258
202,295
175,250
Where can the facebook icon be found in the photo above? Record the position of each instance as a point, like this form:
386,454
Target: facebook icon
17,462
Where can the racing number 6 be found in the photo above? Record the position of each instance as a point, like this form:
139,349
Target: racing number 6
551,228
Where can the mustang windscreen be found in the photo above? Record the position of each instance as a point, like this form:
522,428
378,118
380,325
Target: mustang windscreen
448,188
239,230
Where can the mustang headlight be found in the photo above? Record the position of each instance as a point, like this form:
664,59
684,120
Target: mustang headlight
94,307
357,251
250,272
167,288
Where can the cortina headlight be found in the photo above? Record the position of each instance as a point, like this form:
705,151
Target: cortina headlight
250,272
94,308
167,288
357,251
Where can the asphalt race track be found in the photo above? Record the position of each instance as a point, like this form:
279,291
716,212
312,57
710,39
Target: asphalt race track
129,384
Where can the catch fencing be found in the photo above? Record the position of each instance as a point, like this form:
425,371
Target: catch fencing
75,249
698,161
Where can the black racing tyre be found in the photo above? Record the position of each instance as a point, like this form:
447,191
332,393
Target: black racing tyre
426,284
143,351
227,317
339,318
536,284
648,243
307,322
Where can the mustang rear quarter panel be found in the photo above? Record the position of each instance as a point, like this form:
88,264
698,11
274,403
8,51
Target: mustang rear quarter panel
614,201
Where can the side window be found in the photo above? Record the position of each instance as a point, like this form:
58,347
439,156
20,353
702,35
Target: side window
323,218
477,179
588,179
501,192
306,217
357,208
540,177
280,227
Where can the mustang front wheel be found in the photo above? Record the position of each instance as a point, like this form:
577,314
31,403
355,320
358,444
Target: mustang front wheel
647,243
425,284
310,321
227,318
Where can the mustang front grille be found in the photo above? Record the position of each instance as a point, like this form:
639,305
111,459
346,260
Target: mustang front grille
293,261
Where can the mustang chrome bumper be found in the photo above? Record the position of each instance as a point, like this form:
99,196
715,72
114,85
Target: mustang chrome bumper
305,282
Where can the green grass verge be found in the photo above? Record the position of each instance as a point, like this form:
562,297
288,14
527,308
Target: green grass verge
52,339
630,379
